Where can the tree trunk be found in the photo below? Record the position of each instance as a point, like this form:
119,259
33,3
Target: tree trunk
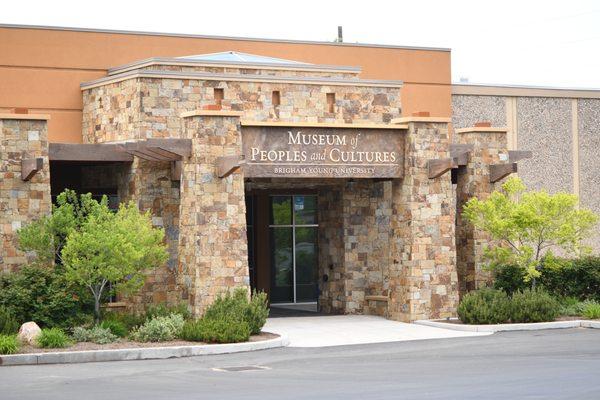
97,308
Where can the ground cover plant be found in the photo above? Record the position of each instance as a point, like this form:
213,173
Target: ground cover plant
9,344
53,338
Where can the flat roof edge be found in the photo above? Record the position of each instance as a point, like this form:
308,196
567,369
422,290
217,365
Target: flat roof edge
190,62
239,78
216,37
523,91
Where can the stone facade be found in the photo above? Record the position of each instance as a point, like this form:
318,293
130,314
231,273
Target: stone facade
213,248
473,180
423,277
21,201
142,108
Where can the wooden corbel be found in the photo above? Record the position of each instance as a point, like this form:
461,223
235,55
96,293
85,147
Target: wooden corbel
176,169
439,167
227,165
460,153
30,166
499,171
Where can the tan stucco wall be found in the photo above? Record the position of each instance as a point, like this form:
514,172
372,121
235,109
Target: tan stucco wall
42,68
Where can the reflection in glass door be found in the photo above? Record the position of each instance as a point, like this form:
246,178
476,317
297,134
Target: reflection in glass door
293,234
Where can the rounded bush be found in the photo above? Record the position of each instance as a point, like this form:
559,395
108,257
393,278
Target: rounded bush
116,327
53,338
97,334
237,306
9,344
216,331
484,306
533,305
159,329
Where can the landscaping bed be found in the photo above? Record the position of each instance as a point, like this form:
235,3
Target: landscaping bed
128,344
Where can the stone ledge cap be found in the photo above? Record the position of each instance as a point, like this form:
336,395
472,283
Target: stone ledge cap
211,113
25,116
406,120
340,125
481,129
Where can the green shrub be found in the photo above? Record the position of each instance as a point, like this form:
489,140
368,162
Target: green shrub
41,294
117,328
590,310
569,306
96,334
579,278
484,306
164,310
9,344
159,329
237,307
216,331
509,278
8,323
532,305
129,320
53,338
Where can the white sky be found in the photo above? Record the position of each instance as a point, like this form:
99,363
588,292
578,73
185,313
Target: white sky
548,43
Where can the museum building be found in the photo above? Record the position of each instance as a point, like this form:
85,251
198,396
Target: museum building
315,182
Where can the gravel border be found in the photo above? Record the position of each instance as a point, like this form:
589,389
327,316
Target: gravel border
510,327
145,353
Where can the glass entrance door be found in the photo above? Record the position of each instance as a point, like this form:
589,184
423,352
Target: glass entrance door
293,232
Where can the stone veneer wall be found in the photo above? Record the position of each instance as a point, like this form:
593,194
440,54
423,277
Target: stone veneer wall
158,104
366,216
423,278
473,180
213,247
21,201
150,186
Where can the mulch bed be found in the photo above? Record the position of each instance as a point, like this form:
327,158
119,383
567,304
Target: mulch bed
127,344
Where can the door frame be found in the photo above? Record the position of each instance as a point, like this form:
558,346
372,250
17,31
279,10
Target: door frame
261,229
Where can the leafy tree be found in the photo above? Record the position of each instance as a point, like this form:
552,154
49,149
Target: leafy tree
46,236
113,247
528,225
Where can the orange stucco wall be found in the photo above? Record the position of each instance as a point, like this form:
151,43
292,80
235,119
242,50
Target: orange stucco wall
41,69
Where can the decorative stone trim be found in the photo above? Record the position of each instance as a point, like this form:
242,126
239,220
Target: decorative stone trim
481,129
25,116
361,125
205,76
232,64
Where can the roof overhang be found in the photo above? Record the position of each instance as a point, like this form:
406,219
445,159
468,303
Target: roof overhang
206,76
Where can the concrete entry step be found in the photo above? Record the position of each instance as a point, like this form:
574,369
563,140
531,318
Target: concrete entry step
339,330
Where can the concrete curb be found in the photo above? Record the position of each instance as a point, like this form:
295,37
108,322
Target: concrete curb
510,327
148,353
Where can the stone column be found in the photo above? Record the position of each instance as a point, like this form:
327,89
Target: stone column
22,136
213,248
423,278
490,147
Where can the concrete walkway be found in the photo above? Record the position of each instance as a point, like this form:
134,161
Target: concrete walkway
338,330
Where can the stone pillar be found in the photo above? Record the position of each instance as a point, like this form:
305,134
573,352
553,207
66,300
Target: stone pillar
213,247
490,146
22,136
423,278
150,185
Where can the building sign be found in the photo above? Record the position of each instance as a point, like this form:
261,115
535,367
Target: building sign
273,151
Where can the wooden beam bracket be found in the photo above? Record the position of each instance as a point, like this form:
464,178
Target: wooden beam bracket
30,166
439,167
227,165
499,171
